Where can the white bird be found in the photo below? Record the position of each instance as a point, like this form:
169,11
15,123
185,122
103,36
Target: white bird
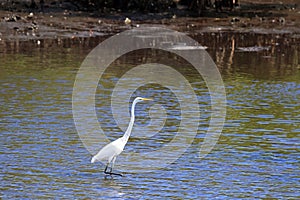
110,151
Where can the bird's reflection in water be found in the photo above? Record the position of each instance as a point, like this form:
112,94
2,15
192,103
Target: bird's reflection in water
110,187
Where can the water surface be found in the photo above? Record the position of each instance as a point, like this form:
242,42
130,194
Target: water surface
257,155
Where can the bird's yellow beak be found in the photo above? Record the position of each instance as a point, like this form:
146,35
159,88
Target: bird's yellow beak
146,99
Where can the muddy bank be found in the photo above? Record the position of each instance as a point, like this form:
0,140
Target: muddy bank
271,33
60,23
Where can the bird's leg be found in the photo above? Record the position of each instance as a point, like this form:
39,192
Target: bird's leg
105,170
112,164
111,167
112,173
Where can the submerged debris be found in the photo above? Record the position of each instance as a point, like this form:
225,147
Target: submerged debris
254,48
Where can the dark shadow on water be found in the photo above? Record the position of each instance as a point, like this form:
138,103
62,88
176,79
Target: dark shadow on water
265,55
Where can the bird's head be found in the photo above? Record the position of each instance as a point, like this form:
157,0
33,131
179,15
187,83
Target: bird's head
139,99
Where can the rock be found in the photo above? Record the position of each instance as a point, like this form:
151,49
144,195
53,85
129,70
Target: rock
127,21
235,19
281,20
30,16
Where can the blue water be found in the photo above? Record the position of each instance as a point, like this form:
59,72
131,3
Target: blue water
42,156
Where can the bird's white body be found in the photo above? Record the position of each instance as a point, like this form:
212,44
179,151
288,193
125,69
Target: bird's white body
110,151
105,154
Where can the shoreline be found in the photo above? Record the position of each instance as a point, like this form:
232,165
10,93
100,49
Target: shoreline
26,26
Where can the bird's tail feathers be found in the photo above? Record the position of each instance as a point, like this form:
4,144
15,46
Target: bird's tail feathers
93,160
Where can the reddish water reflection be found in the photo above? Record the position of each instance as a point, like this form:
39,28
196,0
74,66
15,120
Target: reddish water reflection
262,55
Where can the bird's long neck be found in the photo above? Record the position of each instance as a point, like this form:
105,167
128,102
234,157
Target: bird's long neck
129,129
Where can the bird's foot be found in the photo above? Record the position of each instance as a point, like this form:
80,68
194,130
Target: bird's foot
112,173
